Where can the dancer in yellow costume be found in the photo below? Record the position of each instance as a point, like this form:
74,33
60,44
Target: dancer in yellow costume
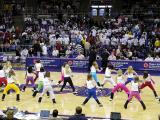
11,86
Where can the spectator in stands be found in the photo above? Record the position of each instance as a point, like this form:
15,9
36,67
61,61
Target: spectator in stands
55,52
78,115
31,52
24,53
18,55
54,115
68,52
87,47
149,58
157,43
80,56
37,49
112,57
44,50
157,58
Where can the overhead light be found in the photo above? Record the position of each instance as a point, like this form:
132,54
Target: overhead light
109,6
102,6
94,6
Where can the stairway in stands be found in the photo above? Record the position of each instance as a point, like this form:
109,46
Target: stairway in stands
84,5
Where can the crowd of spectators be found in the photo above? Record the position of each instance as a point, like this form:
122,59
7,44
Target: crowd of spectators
121,38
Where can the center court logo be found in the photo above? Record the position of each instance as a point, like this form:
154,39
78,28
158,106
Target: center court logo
70,62
145,65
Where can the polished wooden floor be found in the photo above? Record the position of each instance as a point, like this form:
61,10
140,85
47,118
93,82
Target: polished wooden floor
66,103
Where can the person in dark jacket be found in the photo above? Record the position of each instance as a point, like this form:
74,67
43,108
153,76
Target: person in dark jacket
105,56
78,115
92,57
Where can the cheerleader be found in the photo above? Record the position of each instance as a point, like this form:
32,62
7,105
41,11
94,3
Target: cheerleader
91,88
37,66
135,93
7,68
62,73
3,80
130,74
94,68
47,87
148,82
120,84
29,78
108,77
40,81
11,85
67,78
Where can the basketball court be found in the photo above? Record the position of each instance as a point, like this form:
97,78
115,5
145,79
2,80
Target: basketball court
67,101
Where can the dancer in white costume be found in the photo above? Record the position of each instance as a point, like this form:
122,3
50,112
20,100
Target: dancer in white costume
108,77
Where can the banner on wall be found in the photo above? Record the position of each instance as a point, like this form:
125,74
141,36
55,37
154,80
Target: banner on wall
54,64
137,65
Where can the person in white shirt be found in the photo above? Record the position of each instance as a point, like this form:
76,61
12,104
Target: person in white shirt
66,40
135,93
68,52
149,58
55,52
37,67
41,75
67,78
47,87
94,68
29,77
91,88
11,86
108,77
7,68
130,73
24,53
44,50
107,41
114,41
120,84
3,79
94,32
80,56
142,41
157,58
62,73
112,57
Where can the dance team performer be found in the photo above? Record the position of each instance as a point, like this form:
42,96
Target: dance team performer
135,93
11,86
62,73
67,78
29,78
7,67
91,88
130,74
120,84
3,80
37,67
40,81
148,82
47,87
108,77
94,68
